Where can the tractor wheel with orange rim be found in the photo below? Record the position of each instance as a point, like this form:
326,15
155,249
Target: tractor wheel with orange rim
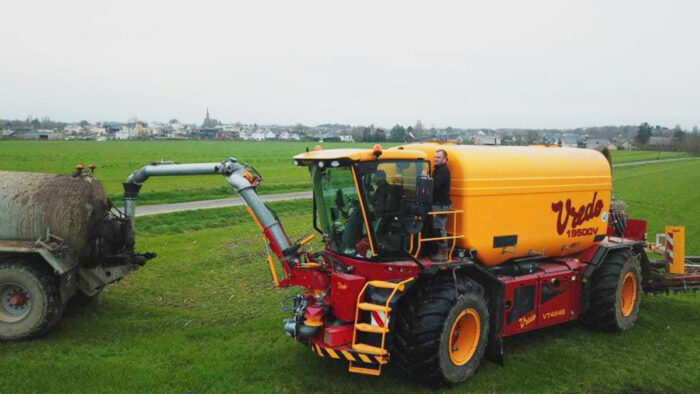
442,330
615,292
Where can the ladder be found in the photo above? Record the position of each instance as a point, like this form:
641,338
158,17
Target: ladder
378,353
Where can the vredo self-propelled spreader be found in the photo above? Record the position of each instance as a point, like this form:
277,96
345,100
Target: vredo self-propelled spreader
534,240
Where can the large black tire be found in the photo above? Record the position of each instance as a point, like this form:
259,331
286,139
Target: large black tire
615,293
30,304
425,321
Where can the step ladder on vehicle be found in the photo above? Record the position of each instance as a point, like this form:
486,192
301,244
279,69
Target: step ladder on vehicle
380,319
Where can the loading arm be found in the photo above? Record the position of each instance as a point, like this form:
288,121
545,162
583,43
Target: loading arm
238,175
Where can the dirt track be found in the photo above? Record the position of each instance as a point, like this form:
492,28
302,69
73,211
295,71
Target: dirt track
208,204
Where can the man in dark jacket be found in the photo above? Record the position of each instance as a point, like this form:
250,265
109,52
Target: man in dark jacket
441,201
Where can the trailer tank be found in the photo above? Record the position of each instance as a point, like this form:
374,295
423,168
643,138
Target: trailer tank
526,201
60,238
70,207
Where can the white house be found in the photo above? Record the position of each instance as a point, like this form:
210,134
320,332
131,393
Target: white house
599,144
487,139
73,129
346,138
98,130
122,134
270,135
258,135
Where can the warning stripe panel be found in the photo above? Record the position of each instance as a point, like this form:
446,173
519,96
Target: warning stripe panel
347,355
364,358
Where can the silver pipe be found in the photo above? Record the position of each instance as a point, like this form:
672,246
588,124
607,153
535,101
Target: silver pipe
248,194
235,174
140,176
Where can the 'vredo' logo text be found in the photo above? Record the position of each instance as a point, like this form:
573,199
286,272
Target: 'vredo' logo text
578,216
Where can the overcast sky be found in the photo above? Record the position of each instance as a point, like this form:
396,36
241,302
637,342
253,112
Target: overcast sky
539,64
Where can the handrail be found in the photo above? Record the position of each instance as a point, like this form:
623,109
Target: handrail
452,237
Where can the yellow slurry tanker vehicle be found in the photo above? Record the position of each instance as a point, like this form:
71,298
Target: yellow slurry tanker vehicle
535,239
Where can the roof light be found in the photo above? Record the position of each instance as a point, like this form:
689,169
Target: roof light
377,150
318,147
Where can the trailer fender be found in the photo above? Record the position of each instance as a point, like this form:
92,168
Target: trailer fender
600,254
64,268
59,264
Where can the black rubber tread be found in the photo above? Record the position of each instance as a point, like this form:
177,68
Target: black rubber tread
53,307
606,283
420,321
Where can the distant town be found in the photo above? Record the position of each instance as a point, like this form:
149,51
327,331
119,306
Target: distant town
644,136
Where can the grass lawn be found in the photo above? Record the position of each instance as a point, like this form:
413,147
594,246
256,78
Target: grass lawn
204,316
628,156
117,159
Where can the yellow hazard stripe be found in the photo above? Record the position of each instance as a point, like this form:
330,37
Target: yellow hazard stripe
336,354
348,355
364,358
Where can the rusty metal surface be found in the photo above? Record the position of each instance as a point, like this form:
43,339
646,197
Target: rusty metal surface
70,206
16,246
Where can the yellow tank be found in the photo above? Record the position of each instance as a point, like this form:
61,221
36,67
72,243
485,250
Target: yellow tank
526,201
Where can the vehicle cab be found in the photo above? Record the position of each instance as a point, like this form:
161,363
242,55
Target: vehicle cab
369,203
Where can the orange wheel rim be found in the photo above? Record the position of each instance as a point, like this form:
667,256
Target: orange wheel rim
464,336
628,295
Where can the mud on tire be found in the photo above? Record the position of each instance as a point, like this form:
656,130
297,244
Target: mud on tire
30,304
615,293
427,320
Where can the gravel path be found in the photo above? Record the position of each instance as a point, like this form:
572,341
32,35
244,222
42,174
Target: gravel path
639,163
209,204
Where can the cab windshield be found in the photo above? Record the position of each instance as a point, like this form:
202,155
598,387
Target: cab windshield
387,190
338,210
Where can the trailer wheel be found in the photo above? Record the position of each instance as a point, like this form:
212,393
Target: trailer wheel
615,293
442,331
30,304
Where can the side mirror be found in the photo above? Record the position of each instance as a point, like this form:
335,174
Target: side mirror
424,190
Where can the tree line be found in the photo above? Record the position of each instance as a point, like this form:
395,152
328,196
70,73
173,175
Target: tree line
676,139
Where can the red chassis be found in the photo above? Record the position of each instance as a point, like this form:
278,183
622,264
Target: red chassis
537,293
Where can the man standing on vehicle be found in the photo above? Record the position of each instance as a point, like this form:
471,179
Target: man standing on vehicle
441,202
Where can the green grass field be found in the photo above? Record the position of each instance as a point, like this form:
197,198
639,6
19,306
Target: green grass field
628,156
117,159
204,316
